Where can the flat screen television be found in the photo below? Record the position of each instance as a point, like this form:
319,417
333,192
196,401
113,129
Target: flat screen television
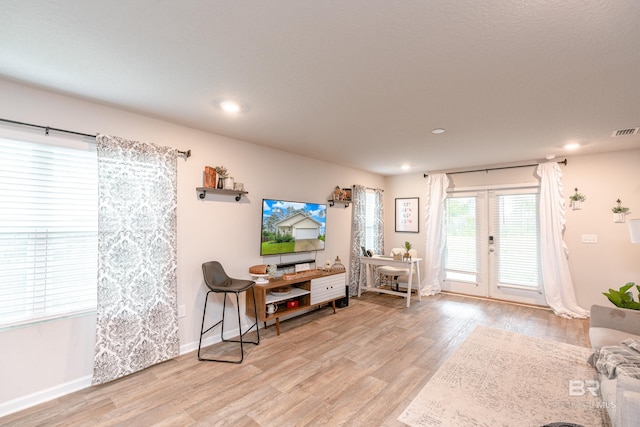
290,227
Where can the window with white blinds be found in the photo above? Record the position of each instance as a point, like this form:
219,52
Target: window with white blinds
370,216
461,257
48,230
518,248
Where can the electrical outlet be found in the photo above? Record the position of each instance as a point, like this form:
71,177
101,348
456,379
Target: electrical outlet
590,238
182,311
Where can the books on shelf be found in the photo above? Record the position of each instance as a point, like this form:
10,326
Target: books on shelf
209,180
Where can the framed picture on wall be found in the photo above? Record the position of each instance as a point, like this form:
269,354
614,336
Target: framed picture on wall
407,215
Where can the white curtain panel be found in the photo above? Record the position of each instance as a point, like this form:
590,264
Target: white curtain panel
137,321
558,286
437,185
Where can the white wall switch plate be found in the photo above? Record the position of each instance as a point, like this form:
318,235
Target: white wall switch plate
590,238
182,311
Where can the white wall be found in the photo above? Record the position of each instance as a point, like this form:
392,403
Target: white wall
603,178
53,358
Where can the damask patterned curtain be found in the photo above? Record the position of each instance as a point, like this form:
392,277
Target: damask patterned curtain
137,319
359,230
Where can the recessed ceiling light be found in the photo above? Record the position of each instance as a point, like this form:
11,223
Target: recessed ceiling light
405,167
437,131
572,146
230,106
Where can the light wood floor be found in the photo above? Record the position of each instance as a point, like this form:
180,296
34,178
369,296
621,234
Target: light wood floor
359,367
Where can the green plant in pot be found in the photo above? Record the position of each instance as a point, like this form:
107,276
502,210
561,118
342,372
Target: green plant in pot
577,198
619,208
407,247
623,297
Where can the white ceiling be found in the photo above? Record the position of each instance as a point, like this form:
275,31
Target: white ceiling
356,82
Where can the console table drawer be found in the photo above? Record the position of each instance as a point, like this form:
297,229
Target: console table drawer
328,288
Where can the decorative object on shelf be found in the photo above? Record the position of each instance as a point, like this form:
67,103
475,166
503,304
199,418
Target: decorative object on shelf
209,179
407,247
260,279
346,194
327,265
222,173
258,269
238,186
281,291
228,183
337,265
272,270
619,212
272,308
407,214
259,273
576,200
337,193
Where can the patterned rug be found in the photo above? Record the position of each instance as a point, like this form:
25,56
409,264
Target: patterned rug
500,378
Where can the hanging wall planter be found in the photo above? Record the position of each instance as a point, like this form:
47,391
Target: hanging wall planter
619,212
576,200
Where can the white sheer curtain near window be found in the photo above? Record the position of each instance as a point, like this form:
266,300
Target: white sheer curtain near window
367,229
137,321
558,286
436,233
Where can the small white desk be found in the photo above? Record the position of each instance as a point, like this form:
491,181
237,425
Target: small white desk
368,265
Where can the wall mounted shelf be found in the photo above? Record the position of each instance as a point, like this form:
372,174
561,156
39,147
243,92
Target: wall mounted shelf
202,192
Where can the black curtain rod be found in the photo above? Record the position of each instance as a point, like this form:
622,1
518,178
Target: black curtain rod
371,188
186,154
564,162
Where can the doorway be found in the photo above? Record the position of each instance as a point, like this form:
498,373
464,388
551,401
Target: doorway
493,244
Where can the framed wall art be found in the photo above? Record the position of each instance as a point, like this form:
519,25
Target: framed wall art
407,215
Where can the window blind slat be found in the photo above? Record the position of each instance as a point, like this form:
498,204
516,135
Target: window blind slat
517,243
461,245
48,231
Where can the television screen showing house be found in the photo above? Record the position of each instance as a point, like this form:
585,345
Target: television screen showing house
289,227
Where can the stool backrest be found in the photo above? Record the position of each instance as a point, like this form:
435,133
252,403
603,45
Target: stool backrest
214,275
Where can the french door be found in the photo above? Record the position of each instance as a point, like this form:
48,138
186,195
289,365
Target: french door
492,246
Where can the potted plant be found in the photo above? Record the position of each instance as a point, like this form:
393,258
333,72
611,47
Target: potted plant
222,173
407,247
619,212
623,297
577,199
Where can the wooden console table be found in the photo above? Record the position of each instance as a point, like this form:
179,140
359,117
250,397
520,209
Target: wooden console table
309,289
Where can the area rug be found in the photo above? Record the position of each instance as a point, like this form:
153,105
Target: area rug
500,378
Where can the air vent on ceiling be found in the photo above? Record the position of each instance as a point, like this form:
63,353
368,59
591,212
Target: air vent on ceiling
625,132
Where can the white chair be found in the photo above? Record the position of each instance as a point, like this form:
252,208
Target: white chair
393,273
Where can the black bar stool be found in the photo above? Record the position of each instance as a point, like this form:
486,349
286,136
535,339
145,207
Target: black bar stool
218,282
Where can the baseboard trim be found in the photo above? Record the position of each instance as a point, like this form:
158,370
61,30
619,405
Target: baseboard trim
42,396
